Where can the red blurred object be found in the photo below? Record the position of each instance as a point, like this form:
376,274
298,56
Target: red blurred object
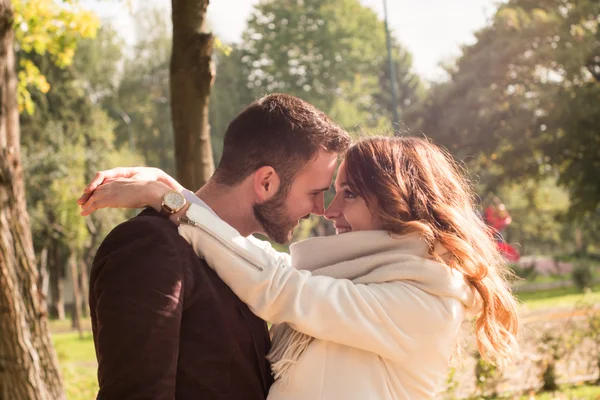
510,253
497,217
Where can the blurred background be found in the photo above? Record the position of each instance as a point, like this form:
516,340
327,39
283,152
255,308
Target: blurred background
511,89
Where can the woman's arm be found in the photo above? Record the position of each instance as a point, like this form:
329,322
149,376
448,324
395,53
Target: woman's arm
382,318
136,173
134,187
126,193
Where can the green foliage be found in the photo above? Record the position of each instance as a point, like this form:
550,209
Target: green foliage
352,108
487,377
522,101
570,392
549,378
98,62
554,349
536,208
527,272
229,95
329,53
47,27
593,320
326,52
451,384
65,141
140,104
582,276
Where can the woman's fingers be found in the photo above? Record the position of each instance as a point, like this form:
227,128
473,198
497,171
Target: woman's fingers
98,180
105,196
95,201
110,175
125,188
102,177
123,193
89,207
84,197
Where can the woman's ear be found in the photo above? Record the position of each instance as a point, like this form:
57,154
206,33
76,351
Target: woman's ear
266,183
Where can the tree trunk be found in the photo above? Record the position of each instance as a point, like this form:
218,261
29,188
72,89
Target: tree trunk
28,365
56,278
94,228
44,281
76,312
85,289
192,73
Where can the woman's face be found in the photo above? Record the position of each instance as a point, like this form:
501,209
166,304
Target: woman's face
348,211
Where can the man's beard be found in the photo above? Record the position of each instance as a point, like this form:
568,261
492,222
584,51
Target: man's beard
273,216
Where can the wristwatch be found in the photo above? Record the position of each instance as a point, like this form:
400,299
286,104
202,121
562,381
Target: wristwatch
172,202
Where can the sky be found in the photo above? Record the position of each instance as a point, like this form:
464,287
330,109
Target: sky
432,30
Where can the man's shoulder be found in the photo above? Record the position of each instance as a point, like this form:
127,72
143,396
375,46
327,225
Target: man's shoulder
148,231
149,221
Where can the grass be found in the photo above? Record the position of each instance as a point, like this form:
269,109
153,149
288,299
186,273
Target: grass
585,392
559,298
77,360
555,277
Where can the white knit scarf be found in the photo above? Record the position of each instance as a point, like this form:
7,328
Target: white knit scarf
366,257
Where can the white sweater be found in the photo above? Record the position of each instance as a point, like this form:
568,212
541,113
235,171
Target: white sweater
389,338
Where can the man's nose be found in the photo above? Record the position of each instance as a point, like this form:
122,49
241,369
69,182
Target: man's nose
333,211
319,206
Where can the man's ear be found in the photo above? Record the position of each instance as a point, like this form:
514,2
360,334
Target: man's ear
266,183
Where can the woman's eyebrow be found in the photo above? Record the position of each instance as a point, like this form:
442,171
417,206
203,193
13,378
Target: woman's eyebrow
341,186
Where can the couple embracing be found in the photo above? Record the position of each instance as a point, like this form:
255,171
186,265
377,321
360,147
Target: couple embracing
180,295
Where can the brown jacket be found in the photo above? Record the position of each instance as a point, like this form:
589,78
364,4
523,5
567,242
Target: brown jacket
165,326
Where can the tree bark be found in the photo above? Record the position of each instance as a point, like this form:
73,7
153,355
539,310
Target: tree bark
28,365
85,289
44,280
76,312
57,281
192,73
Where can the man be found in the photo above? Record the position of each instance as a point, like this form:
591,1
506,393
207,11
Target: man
165,326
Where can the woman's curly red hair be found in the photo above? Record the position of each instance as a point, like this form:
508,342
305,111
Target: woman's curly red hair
418,187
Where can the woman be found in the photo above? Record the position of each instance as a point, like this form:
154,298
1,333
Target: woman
375,311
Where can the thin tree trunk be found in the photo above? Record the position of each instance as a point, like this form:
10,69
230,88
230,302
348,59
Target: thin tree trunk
44,275
76,312
85,289
28,365
56,277
94,228
191,75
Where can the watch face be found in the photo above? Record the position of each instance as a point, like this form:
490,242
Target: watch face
174,200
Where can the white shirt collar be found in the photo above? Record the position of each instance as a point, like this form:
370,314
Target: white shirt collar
192,198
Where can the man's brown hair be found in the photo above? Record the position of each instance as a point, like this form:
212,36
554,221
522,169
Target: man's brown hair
280,131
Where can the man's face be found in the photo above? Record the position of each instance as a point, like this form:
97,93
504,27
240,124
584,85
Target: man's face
280,215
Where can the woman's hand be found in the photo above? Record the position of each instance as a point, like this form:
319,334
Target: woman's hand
133,173
125,193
